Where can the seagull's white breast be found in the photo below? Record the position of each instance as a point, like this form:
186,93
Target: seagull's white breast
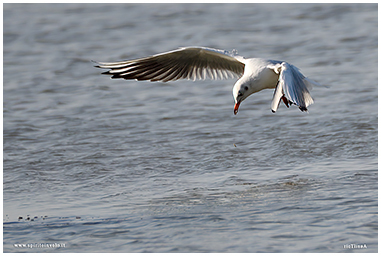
259,75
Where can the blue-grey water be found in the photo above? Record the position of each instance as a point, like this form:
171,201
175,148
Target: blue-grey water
98,165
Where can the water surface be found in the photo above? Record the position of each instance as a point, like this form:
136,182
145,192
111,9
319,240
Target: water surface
100,165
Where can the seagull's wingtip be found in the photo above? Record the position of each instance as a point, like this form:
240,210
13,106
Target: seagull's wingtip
303,109
96,63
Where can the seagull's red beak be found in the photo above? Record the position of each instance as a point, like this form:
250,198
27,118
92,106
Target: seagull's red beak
236,106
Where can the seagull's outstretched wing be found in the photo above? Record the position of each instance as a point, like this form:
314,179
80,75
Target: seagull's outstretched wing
184,63
293,87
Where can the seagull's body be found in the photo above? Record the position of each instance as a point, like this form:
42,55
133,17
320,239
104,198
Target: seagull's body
254,74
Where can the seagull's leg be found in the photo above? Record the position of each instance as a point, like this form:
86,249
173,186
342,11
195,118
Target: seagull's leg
286,101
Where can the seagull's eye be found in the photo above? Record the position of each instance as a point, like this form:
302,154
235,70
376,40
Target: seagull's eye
246,88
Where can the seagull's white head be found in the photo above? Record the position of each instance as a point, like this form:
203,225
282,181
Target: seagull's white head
241,91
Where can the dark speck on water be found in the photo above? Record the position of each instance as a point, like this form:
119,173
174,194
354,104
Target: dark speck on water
127,166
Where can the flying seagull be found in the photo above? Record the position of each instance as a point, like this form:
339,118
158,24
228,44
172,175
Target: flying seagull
254,74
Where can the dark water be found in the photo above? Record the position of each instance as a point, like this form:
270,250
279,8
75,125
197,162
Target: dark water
98,165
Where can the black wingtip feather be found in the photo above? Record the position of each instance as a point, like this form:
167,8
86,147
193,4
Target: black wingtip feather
96,64
303,109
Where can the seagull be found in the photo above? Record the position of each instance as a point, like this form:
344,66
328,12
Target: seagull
254,74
